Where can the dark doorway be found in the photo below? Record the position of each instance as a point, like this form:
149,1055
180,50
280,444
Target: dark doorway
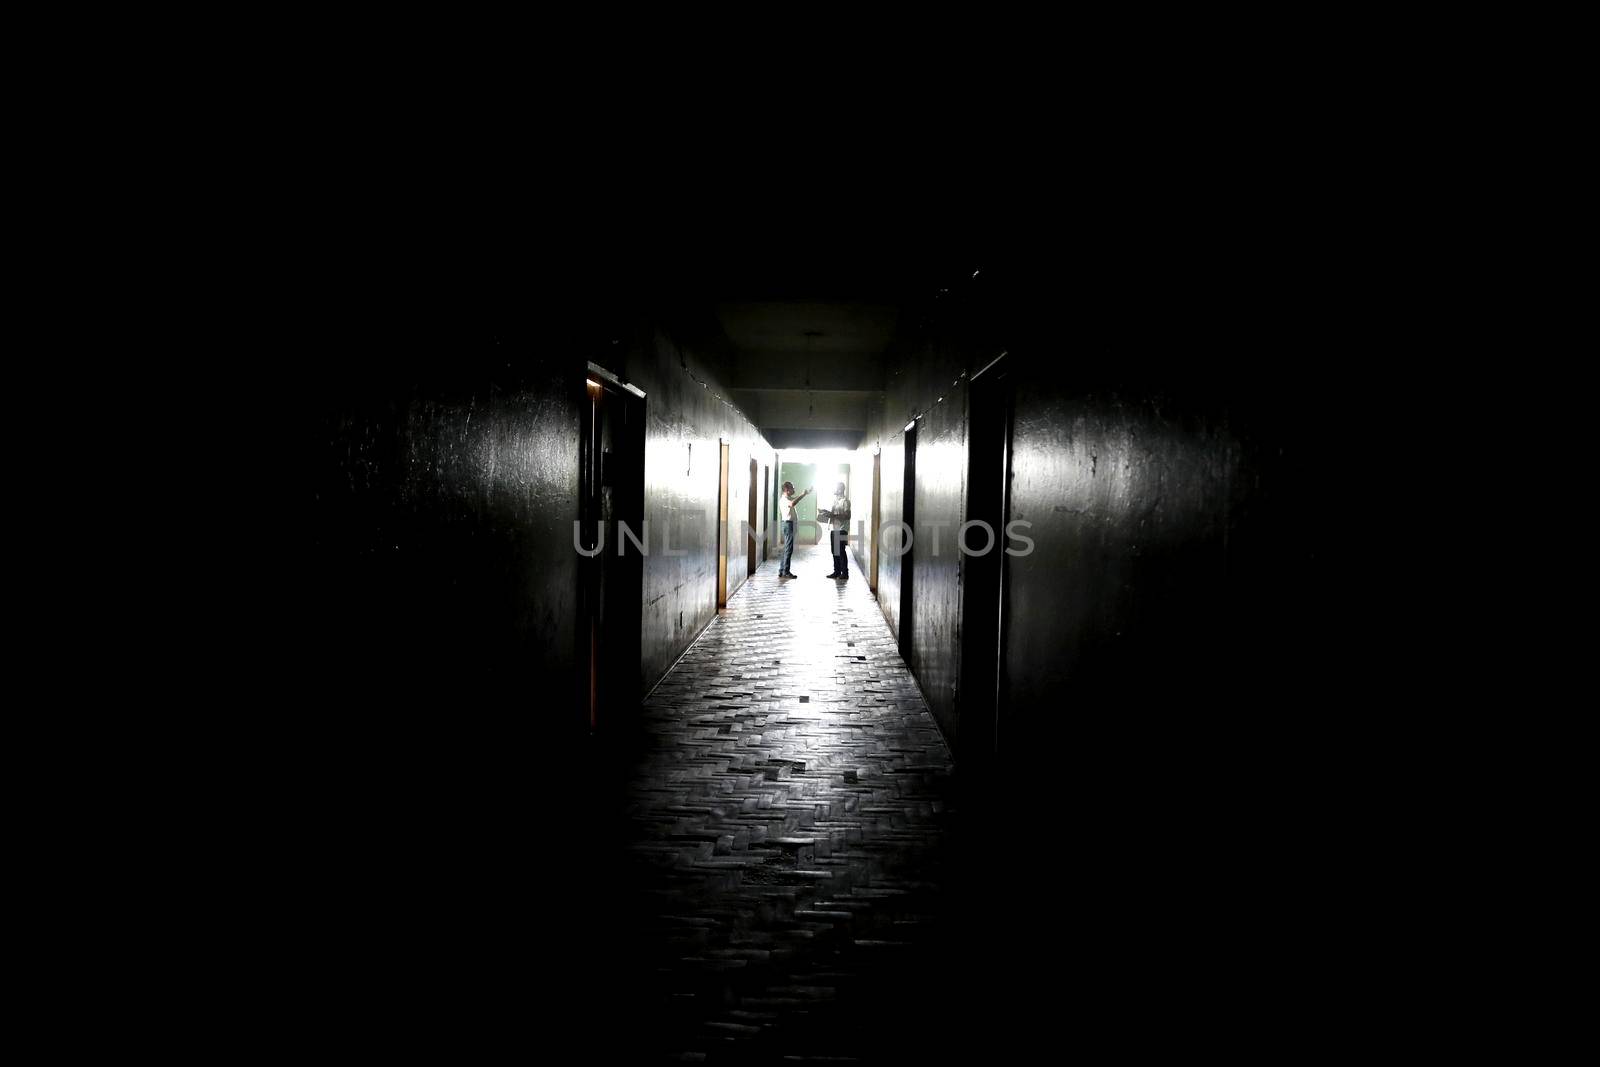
908,570
983,575
877,510
722,528
766,522
610,573
750,528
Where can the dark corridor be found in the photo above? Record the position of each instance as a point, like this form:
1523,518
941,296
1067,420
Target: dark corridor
994,790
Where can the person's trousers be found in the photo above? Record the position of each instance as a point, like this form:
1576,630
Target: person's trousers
788,547
840,564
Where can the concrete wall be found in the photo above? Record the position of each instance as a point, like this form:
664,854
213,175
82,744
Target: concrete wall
688,414
1174,719
419,672
429,755
444,483
1166,501
438,546
1132,503
925,380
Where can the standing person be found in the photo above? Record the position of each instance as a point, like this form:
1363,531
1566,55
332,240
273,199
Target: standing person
788,504
840,521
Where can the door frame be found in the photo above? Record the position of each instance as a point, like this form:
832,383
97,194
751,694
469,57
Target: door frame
908,516
877,503
609,583
984,583
750,528
722,523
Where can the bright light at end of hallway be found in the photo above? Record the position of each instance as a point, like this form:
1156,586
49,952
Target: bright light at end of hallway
819,456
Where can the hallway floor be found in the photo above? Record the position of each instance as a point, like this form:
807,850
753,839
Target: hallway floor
785,839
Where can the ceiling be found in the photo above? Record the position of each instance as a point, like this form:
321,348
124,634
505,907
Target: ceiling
802,339
807,371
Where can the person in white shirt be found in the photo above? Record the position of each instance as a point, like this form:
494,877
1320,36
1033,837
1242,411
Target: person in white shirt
787,504
840,521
